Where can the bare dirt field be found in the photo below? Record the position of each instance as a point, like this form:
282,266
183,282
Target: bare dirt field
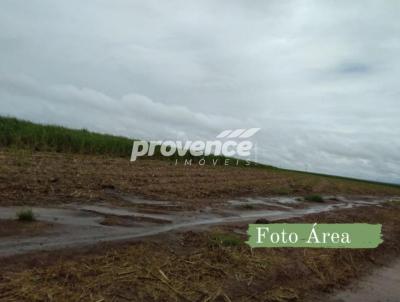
111,230
33,178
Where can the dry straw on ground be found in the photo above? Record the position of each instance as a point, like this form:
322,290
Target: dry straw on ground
196,267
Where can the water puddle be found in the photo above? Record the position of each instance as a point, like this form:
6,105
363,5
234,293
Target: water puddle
277,202
80,224
144,202
104,210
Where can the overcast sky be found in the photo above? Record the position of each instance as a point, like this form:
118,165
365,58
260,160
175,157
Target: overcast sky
320,78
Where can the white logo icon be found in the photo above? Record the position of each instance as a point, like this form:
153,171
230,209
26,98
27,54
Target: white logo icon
228,143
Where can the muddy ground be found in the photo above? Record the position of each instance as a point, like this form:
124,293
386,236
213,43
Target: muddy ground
48,178
12,228
78,224
208,265
111,230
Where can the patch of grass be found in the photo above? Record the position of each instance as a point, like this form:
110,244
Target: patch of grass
225,239
314,198
26,215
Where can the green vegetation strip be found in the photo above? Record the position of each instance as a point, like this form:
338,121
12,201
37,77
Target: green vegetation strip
15,133
19,134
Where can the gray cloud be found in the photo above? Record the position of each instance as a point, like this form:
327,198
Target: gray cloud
319,78
353,68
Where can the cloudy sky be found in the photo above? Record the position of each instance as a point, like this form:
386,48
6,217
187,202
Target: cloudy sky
321,78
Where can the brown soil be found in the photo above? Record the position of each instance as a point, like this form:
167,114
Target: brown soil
22,228
129,221
196,267
46,178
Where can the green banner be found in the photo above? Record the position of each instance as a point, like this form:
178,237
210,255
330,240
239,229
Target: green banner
342,235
